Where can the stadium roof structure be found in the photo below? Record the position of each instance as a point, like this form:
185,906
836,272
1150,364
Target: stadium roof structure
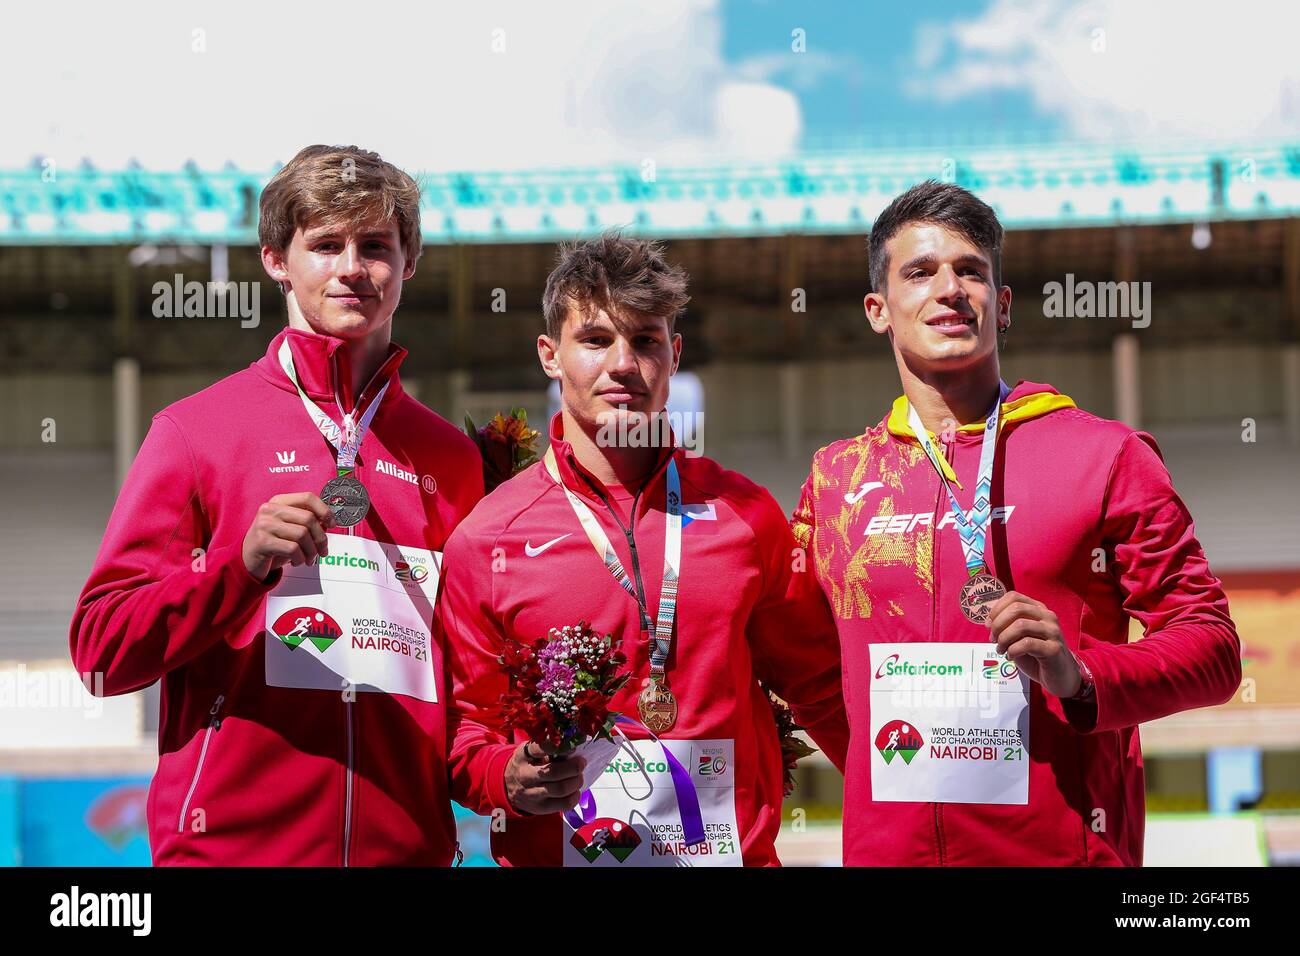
1062,185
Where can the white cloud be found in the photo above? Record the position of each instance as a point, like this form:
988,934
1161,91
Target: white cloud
800,71
585,82
1175,68
753,119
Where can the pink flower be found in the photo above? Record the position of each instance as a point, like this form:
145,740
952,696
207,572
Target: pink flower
556,677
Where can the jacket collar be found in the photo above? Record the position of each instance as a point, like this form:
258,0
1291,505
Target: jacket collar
1026,400
322,362
579,479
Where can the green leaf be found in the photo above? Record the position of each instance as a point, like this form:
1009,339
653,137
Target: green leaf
796,746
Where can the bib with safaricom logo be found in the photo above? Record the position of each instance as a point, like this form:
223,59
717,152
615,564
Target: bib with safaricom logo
949,724
359,618
631,814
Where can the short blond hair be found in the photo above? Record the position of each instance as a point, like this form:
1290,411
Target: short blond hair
339,184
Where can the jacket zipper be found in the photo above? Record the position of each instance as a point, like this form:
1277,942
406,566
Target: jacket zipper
629,533
347,702
347,805
631,543
347,798
949,454
214,723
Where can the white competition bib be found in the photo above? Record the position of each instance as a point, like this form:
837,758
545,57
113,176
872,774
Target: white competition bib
635,820
360,617
949,724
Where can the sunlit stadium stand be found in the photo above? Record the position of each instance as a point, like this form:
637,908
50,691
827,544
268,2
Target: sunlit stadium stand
1043,186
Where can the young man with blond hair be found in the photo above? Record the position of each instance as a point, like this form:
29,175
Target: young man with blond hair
274,554
690,567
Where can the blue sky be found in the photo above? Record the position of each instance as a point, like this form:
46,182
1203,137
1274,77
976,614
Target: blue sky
850,82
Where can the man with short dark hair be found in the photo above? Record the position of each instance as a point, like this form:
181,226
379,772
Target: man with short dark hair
690,567
273,560
983,549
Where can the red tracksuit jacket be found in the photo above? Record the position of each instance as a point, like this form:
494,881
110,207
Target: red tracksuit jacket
742,615
280,774
1072,486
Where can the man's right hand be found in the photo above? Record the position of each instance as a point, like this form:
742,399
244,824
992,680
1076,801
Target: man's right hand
539,784
288,529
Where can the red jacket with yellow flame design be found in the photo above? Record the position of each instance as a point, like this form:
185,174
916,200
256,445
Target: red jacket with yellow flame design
1086,520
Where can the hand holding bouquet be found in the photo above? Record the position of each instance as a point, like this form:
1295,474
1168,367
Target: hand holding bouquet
560,686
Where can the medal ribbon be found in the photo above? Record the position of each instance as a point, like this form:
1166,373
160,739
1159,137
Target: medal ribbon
660,634
688,801
346,440
972,531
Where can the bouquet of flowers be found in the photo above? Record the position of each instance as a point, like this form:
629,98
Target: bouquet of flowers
560,686
506,444
793,748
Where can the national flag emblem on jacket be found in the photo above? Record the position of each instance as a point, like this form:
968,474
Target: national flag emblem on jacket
703,516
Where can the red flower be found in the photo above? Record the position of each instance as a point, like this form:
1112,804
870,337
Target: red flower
515,656
546,718
592,712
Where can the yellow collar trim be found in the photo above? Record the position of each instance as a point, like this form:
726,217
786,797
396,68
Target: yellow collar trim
1022,409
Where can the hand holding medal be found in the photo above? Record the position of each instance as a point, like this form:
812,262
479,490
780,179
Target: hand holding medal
1029,634
288,529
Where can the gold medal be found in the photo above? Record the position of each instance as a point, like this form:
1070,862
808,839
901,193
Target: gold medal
979,591
658,707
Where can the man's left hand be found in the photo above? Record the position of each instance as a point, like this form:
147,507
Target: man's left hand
1028,633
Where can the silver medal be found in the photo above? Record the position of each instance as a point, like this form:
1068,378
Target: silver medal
347,498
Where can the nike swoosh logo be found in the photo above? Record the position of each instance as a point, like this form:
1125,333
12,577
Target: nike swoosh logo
534,552
867,486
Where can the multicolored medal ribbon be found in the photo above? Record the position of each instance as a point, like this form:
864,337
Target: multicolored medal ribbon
981,588
656,704
344,494
688,801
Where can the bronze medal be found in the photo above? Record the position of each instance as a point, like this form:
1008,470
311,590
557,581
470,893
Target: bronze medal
658,707
979,591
